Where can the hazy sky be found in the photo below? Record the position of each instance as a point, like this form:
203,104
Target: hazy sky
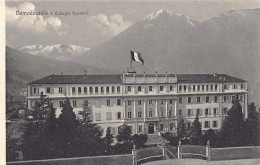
105,20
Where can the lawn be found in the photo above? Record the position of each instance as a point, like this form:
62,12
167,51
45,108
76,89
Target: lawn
232,153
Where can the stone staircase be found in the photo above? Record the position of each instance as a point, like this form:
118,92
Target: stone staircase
156,139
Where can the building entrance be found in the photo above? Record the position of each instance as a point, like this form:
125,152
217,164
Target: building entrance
151,128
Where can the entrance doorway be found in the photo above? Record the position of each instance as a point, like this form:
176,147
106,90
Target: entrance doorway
151,128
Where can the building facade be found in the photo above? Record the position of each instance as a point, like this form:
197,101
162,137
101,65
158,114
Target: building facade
148,103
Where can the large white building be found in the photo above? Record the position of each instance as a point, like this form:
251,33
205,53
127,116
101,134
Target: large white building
148,103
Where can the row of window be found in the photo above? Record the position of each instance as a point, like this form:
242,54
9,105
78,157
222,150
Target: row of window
150,88
197,88
202,88
190,112
199,112
208,99
140,129
139,102
118,102
129,102
97,90
230,98
150,114
182,88
199,99
206,124
234,86
108,116
85,90
86,103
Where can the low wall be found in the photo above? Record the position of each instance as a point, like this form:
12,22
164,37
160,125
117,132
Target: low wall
235,153
95,160
147,152
196,149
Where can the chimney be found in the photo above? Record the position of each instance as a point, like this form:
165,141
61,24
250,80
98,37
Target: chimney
215,74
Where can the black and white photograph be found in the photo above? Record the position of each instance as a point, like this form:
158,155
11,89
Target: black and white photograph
130,82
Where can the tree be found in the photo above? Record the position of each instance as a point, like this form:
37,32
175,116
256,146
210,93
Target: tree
50,132
139,140
86,113
196,133
181,129
35,142
171,137
40,109
124,134
87,141
233,128
252,125
124,139
212,137
108,140
67,125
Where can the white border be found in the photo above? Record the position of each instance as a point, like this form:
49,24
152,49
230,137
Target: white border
2,83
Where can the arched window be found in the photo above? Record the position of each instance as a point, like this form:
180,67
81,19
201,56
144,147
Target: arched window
85,90
189,88
79,90
90,90
102,90
96,89
73,90
107,89
194,88
118,89
113,89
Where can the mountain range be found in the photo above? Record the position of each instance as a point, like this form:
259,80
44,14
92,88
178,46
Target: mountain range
228,43
59,51
21,68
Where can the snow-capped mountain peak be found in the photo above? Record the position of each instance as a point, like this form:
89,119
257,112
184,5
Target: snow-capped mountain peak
166,14
58,51
158,13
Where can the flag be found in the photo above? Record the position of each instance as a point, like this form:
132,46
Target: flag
136,56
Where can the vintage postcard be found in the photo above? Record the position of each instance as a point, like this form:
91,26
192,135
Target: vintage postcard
107,82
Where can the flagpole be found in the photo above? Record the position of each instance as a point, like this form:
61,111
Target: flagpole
130,61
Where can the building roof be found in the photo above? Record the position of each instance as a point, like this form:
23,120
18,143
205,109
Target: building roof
116,79
206,78
79,79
